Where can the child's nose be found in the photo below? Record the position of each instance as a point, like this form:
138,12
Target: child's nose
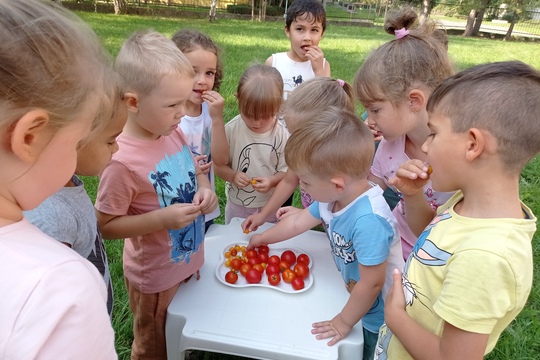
200,78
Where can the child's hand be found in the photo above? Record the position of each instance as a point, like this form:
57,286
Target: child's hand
376,134
252,222
255,241
316,56
200,161
336,328
206,199
394,305
285,211
261,184
241,180
411,177
215,103
178,216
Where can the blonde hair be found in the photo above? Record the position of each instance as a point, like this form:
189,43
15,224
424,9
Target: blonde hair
415,60
188,40
334,142
146,57
260,92
502,98
314,96
49,59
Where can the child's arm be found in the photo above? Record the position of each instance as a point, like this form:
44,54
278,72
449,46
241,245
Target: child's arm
266,183
320,66
219,146
238,178
287,228
205,197
283,190
175,216
422,344
360,301
410,180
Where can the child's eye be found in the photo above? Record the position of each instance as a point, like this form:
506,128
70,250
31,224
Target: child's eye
374,111
210,73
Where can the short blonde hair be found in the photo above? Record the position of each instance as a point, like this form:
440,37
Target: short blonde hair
260,92
49,59
335,142
413,61
502,98
314,96
146,57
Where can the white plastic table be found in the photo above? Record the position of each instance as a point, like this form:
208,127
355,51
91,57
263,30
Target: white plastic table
259,322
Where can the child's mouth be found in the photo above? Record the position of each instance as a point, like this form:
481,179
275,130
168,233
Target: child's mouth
304,48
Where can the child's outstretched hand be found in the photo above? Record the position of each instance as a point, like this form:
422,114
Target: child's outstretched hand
255,241
241,180
336,328
200,160
261,184
252,222
206,199
316,56
178,216
215,103
394,306
411,177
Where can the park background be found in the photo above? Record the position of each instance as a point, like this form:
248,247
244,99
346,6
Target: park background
345,44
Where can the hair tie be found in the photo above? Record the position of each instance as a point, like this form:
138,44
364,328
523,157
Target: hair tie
340,82
401,33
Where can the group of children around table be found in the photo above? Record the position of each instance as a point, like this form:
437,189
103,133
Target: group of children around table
440,275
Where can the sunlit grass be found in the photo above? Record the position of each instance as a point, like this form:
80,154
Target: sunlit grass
246,42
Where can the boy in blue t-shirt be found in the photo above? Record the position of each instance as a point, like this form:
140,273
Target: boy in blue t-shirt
332,156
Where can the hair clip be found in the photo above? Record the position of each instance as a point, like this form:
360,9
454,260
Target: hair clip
340,82
401,33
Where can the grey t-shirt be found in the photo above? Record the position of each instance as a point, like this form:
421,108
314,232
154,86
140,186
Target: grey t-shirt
69,217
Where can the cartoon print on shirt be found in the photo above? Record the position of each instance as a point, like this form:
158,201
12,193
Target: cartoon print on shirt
187,240
427,253
297,80
343,248
268,154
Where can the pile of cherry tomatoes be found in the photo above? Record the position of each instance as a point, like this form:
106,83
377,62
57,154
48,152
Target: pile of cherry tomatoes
255,263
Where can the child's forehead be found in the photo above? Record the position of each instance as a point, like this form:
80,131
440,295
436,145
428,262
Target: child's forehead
307,17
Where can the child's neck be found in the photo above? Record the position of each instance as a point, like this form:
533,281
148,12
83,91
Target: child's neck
10,212
492,196
193,109
134,130
353,190
292,55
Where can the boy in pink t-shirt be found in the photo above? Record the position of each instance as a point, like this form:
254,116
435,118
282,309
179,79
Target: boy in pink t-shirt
152,193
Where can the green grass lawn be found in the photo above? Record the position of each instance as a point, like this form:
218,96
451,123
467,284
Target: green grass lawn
246,42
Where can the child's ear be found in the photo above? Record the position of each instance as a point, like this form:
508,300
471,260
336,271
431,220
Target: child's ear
132,102
29,135
476,144
338,182
287,32
417,100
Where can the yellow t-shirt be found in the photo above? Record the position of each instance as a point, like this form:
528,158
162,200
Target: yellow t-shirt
475,274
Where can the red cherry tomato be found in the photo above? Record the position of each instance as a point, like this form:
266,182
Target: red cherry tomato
272,269
288,256
283,265
263,249
303,259
301,270
254,260
274,279
263,258
251,253
259,268
236,264
288,275
274,259
231,277
253,276
297,283
244,269
234,252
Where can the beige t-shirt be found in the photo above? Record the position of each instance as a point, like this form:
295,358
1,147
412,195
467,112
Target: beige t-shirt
257,155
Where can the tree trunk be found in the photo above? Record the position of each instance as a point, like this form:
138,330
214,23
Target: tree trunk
252,10
470,23
263,10
212,13
120,7
426,9
478,22
508,35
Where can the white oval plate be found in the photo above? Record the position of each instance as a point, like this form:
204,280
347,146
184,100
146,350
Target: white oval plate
221,270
